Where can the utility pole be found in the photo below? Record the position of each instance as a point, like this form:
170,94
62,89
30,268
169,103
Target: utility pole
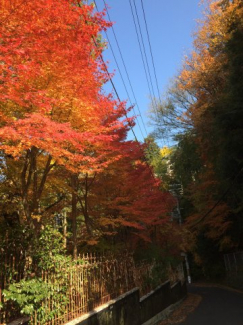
174,189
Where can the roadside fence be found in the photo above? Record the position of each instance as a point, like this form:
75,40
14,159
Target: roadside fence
92,281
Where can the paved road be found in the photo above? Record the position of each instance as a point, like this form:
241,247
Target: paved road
219,306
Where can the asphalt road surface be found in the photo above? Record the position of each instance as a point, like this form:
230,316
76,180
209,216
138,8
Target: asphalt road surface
219,306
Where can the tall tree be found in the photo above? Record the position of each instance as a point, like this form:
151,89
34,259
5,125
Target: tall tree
53,112
208,73
62,139
123,202
208,158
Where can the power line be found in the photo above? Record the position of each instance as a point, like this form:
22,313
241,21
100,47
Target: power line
150,47
131,127
144,50
119,70
152,57
125,68
144,58
150,168
154,104
114,88
141,52
124,84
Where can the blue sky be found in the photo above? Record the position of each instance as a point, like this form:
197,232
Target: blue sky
171,24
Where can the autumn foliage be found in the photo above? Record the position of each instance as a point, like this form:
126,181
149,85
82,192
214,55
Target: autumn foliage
205,105
51,77
62,139
209,73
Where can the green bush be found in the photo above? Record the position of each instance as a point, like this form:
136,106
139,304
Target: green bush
30,296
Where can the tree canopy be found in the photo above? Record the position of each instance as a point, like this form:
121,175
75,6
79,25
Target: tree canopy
63,145
205,106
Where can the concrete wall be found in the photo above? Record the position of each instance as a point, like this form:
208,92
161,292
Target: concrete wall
128,309
155,302
178,292
124,310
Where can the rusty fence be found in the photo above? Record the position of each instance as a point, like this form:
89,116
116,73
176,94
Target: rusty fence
92,281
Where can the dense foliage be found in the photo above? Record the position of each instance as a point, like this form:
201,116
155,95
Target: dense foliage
205,106
64,158
69,180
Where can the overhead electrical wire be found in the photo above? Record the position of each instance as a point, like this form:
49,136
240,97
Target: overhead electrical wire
144,58
125,68
144,49
118,97
123,81
131,127
151,52
124,84
141,52
119,70
115,90
153,64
